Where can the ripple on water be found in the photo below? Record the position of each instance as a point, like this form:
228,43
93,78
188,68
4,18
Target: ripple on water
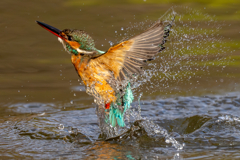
31,107
201,123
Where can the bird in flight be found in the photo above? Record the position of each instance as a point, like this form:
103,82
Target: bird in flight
108,74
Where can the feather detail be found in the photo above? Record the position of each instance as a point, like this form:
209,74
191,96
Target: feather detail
116,115
131,55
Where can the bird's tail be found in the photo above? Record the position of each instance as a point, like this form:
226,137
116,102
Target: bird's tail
118,109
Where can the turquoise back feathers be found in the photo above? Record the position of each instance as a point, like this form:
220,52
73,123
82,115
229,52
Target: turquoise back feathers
116,114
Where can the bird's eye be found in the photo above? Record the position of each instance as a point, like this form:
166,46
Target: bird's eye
70,38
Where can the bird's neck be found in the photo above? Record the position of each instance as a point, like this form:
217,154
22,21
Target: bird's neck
77,50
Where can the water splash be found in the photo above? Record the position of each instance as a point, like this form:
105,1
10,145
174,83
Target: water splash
134,122
228,119
155,130
192,49
152,129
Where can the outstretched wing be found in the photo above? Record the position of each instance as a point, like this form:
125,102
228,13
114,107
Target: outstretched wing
127,58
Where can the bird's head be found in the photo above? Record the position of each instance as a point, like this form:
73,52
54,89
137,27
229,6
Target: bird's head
74,41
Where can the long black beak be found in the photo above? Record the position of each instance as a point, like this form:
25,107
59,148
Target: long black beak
51,29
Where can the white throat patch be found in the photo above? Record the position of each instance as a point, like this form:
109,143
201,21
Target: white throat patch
60,40
64,44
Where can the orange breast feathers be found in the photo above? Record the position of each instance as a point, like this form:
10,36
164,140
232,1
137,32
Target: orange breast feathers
96,73
95,76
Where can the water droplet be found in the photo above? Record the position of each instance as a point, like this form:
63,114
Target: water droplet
167,141
69,129
71,102
122,28
61,126
111,43
18,90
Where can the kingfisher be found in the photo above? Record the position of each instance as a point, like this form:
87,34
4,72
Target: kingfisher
107,75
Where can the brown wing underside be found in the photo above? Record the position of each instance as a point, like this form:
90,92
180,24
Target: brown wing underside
127,58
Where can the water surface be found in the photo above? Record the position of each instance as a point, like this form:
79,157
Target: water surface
193,92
